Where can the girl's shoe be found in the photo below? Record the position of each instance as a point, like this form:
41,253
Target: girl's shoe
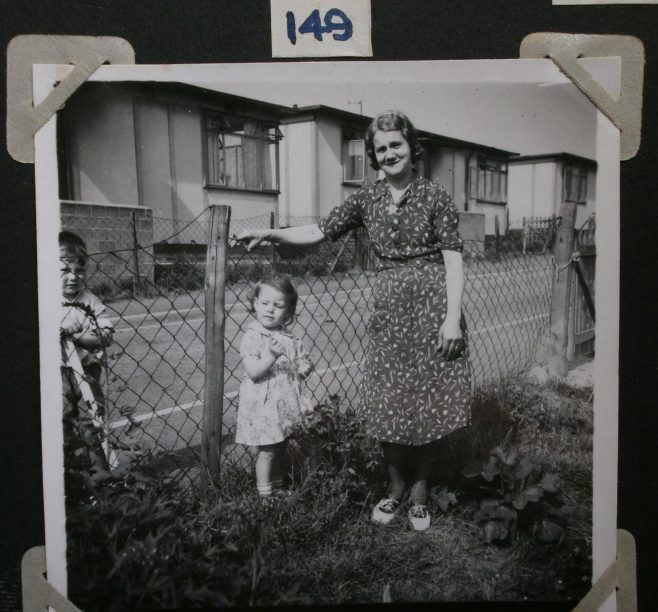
419,517
384,511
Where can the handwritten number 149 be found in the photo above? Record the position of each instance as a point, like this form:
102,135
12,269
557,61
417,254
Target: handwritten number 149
335,21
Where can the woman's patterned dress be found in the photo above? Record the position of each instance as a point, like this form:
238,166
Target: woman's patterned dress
410,394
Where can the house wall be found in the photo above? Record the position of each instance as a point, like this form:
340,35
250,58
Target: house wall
101,147
133,150
489,210
535,189
448,168
297,153
153,156
330,176
583,211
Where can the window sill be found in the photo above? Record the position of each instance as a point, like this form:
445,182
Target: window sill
241,189
478,201
353,183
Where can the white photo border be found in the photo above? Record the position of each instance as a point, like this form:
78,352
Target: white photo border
466,71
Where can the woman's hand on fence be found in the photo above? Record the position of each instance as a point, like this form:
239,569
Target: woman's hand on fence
451,341
253,237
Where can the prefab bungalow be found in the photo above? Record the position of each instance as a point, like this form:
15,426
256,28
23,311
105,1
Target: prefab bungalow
163,152
168,148
324,160
539,184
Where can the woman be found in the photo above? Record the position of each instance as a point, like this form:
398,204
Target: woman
416,387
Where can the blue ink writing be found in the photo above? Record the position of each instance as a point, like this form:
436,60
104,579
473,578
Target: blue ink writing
336,23
290,22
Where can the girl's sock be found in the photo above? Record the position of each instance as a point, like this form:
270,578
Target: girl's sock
264,488
277,482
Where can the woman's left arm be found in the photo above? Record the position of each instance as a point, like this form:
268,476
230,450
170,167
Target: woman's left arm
450,334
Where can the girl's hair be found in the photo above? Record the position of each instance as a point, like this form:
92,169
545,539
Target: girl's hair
389,121
71,245
284,286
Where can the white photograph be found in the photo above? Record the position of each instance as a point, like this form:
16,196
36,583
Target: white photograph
328,333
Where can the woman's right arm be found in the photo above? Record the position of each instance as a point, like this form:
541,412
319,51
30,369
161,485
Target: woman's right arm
300,235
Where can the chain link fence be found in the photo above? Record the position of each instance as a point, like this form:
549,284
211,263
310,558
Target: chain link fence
153,291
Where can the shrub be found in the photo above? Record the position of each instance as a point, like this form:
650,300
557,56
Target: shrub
515,493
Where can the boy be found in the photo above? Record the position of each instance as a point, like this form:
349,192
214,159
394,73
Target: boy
86,330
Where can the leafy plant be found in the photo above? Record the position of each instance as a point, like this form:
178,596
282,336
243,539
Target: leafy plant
515,493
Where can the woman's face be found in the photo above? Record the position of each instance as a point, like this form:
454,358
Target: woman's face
393,154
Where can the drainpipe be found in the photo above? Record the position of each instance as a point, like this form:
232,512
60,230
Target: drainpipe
466,177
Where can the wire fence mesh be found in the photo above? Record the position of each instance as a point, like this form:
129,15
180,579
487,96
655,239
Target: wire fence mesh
153,291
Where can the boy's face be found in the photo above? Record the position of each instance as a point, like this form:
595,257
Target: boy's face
73,271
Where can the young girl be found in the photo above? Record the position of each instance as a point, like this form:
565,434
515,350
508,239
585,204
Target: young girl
271,402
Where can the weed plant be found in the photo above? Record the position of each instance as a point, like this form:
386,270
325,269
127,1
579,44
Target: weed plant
136,540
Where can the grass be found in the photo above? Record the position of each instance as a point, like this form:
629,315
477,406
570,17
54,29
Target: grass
135,541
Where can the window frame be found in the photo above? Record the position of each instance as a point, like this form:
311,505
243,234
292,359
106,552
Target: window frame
568,175
348,135
224,117
500,168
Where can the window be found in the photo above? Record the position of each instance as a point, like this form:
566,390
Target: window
574,184
356,165
241,153
490,184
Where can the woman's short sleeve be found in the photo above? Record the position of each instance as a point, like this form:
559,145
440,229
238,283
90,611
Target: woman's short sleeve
446,222
251,344
343,218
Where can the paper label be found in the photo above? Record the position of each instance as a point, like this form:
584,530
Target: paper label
321,28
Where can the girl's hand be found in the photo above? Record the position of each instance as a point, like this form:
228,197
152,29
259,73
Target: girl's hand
304,367
70,327
451,342
253,236
277,348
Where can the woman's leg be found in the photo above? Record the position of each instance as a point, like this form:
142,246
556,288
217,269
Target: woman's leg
267,456
422,461
397,457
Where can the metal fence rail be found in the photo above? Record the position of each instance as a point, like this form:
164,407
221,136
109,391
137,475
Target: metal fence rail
156,364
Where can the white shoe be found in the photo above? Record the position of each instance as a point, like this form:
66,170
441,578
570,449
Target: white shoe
384,511
419,517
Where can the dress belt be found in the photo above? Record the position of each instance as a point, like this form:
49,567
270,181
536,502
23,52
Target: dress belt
419,262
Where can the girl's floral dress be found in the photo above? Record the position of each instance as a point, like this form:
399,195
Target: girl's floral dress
269,409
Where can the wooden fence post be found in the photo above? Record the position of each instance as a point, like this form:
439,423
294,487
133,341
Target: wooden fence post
552,353
136,276
213,407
